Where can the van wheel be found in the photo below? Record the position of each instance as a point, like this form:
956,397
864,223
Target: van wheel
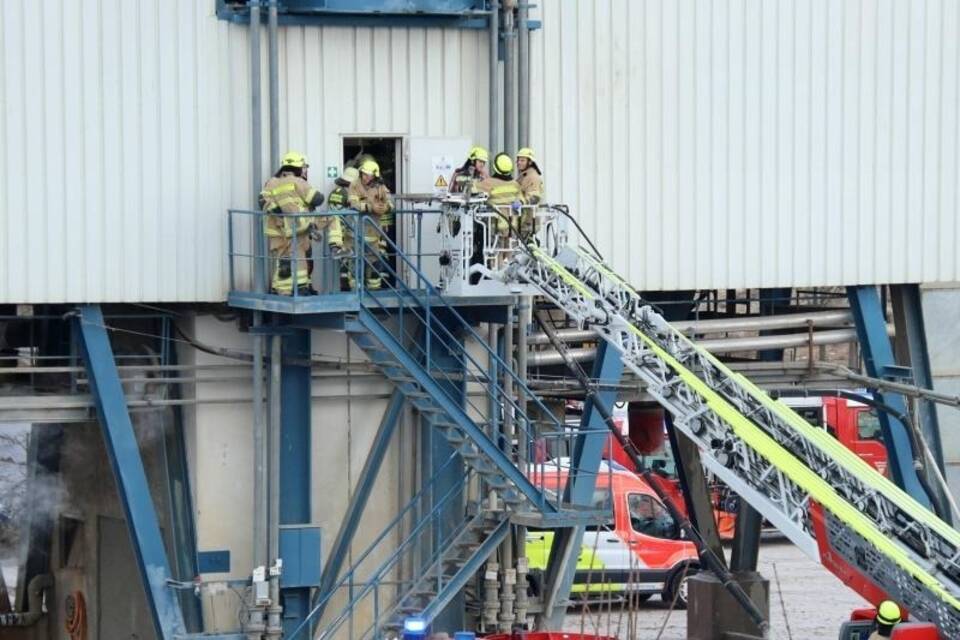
677,585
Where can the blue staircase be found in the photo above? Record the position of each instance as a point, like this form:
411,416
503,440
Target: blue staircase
433,356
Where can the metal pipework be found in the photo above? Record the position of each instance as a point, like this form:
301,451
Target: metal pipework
38,585
508,575
724,345
273,63
255,615
256,126
509,80
274,623
524,319
523,75
720,325
494,82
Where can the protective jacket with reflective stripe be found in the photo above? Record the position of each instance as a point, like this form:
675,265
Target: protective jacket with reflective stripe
372,198
501,191
531,183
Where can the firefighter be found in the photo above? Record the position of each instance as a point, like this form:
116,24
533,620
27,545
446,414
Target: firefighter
504,195
530,177
289,235
888,616
338,200
531,183
369,195
471,171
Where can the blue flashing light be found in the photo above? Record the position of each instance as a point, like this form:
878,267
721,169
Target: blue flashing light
414,628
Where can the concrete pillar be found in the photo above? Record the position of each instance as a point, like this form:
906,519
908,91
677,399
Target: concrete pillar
712,612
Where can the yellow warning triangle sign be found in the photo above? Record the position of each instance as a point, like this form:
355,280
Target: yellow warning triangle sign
440,183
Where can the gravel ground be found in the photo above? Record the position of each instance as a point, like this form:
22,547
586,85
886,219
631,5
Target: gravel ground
815,604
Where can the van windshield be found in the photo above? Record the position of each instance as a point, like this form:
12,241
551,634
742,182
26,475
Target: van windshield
649,517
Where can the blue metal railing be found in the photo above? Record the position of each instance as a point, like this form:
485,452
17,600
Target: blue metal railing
250,267
410,310
421,513
425,312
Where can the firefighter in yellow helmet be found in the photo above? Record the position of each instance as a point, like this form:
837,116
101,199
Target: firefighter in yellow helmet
529,176
289,235
531,183
504,195
337,200
888,616
473,170
370,196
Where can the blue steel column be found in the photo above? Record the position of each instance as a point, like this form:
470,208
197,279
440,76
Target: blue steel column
877,352
435,450
295,458
128,470
588,451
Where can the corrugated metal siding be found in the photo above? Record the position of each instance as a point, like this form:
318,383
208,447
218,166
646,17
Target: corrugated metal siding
755,143
703,144
124,133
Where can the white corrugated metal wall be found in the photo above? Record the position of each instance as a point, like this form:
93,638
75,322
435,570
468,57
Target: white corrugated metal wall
124,133
755,142
743,143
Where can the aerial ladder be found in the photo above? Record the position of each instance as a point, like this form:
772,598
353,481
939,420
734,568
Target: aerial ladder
824,498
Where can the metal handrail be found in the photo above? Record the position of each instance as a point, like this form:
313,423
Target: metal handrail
387,564
449,308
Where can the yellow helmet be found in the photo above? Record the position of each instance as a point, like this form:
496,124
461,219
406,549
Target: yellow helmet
527,153
294,159
350,174
888,613
370,167
479,153
503,164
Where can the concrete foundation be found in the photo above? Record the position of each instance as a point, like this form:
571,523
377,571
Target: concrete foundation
713,614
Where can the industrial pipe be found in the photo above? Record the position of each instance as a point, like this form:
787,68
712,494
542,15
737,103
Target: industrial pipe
28,618
523,75
509,574
722,325
524,318
273,64
509,80
274,624
724,345
494,83
256,126
255,615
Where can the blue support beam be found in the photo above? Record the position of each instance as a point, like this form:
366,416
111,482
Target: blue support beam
295,429
871,323
128,470
435,451
588,452
351,520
